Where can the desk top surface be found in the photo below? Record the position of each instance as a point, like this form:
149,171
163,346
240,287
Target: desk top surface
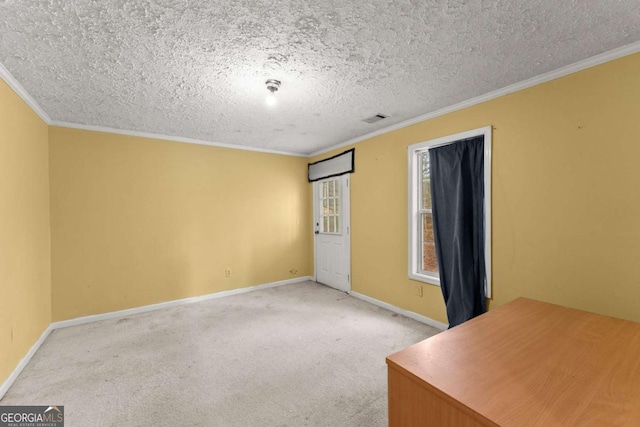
530,363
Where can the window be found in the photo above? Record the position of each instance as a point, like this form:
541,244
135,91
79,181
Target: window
423,265
427,258
330,209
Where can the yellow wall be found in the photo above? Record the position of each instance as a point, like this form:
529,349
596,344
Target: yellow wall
137,221
25,272
566,196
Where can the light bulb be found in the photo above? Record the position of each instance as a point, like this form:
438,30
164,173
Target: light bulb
271,100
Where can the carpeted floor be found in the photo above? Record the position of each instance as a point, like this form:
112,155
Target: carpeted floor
294,355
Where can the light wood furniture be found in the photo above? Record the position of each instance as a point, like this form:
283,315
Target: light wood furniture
527,363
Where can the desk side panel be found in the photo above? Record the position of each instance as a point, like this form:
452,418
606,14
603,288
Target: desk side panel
413,404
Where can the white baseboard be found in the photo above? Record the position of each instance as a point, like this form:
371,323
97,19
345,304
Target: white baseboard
123,313
9,381
410,314
152,307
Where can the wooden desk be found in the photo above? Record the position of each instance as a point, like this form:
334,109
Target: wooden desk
526,363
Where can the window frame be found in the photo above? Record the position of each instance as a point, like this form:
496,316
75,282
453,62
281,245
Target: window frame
415,209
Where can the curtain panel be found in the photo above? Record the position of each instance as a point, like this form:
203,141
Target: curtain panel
457,191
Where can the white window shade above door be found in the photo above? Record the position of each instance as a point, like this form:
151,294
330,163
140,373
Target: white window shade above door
333,166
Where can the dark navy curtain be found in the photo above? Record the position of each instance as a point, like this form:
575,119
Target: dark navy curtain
457,191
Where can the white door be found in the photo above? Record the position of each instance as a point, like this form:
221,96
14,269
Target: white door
332,232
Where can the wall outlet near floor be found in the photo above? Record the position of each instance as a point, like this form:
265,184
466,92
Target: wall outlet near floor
227,272
419,290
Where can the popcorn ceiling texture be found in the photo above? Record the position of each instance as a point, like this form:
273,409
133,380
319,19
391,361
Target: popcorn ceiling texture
196,68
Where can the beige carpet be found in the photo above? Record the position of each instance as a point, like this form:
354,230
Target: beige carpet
294,355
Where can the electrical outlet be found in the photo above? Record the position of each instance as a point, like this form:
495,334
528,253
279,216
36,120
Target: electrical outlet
227,272
419,290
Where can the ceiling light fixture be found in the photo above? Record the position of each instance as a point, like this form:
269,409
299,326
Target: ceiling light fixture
272,86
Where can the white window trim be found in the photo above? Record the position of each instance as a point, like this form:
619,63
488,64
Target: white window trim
414,238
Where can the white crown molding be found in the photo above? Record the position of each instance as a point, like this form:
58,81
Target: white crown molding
560,72
410,314
170,138
542,78
22,93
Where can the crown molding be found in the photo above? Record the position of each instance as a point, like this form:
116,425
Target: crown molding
105,129
22,93
543,78
534,81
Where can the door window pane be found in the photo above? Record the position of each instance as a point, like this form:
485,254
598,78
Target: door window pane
330,206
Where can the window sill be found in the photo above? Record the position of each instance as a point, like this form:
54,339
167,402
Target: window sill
424,278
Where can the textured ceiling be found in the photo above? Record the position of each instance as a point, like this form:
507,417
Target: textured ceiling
196,69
